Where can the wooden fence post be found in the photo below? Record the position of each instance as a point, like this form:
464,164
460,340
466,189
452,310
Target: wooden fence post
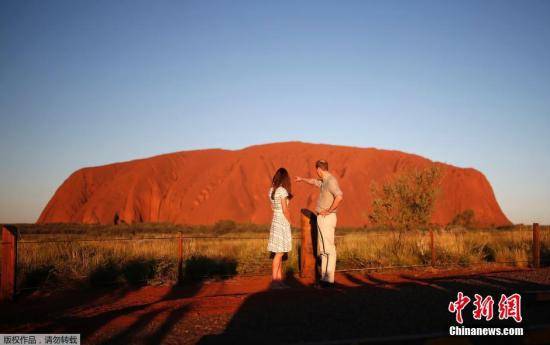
536,245
432,247
307,252
9,263
180,258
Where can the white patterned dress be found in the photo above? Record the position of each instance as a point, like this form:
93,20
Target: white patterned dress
280,237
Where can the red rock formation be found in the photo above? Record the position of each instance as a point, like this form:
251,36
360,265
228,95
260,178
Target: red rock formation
204,186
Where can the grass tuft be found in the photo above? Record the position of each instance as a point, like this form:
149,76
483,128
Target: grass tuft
143,260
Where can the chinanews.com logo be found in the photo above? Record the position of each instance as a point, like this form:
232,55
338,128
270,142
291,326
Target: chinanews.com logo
509,307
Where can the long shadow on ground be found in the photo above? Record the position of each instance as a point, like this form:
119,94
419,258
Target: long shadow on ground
375,310
124,320
375,307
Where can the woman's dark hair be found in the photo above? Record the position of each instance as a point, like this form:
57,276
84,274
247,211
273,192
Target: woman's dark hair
281,178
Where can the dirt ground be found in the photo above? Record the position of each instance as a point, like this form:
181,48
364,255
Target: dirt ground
408,306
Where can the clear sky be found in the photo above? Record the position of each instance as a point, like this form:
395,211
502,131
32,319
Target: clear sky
89,83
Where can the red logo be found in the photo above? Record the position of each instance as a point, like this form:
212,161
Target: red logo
458,305
484,307
508,307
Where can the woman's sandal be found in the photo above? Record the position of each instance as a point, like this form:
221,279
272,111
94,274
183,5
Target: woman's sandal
278,285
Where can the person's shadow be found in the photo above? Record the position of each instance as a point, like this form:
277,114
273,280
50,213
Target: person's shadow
403,313
371,309
55,314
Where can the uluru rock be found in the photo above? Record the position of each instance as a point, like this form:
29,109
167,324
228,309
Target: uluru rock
205,186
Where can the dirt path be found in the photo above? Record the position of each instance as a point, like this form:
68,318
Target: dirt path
365,306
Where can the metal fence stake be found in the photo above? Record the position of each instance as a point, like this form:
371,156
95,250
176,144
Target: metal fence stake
9,262
180,258
536,245
432,247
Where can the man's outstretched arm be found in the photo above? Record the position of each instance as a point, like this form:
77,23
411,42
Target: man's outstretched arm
311,181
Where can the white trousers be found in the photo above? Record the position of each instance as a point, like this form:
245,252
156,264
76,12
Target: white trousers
326,248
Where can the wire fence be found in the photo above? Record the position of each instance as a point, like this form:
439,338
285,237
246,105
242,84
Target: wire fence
182,248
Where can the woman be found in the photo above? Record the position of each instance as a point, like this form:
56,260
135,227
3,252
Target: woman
280,237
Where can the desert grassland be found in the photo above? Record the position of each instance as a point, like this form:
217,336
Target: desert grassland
241,249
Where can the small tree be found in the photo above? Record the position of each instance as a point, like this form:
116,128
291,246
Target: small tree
407,202
465,218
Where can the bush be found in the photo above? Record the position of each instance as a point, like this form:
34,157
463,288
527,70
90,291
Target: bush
39,276
138,271
407,202
489,253
465,219
224,227
106,273
200,267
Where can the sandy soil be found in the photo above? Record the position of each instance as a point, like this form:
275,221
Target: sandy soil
368,306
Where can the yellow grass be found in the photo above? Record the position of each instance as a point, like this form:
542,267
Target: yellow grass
144,260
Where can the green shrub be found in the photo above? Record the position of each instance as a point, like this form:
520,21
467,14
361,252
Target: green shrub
106,273
465,219
39,276
224,227
201,267
138,271
407,202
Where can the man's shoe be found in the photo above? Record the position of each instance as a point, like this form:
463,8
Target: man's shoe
323,285
327,285
318,286
277,285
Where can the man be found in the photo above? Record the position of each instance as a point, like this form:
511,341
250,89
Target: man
330,197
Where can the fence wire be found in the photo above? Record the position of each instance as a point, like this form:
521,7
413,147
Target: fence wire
190,238
175,238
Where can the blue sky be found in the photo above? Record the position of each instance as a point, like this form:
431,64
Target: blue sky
89,83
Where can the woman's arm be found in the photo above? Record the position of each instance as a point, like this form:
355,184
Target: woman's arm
286,211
